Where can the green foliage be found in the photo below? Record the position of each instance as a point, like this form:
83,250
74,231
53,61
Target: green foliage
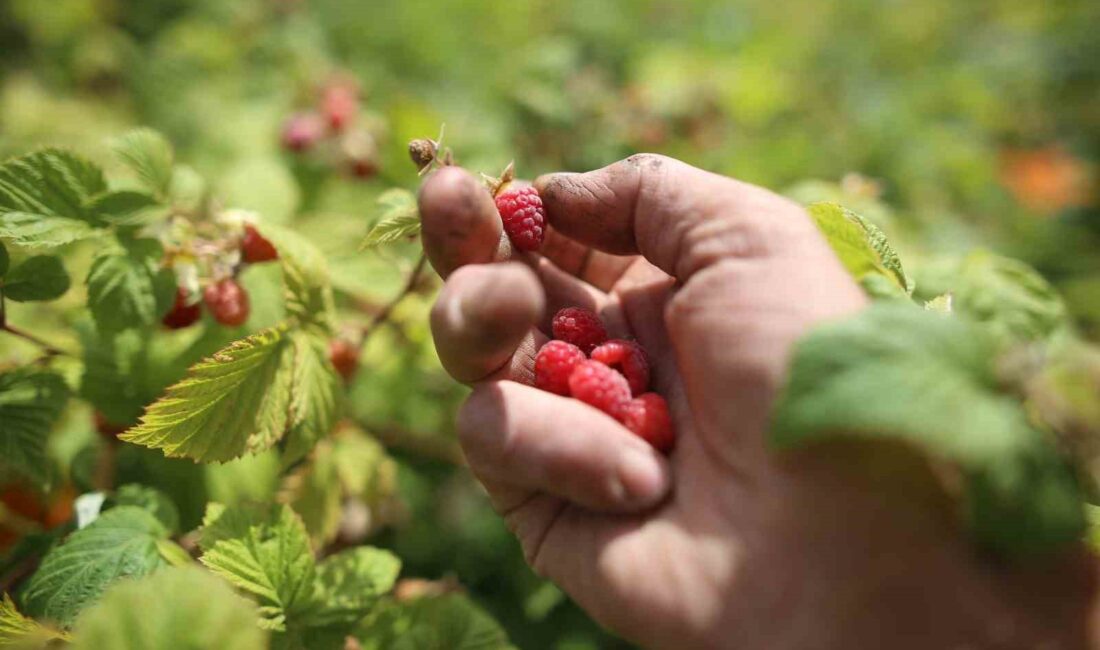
149,155
400,219
265,552
863,250
18,631
350,583
897,371
42,277
121,543
444,623
46,198
1005,295
124,207
5,260
315,396
179,608
30,401
129,287
151,500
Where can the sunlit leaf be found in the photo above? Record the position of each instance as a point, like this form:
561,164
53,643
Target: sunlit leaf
400,219
351,582
18,631
150,156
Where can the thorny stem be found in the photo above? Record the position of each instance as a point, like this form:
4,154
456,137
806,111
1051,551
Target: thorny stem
383,314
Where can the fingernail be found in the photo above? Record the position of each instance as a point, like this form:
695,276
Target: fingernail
643,476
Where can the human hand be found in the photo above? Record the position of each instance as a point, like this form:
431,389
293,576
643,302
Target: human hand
721,544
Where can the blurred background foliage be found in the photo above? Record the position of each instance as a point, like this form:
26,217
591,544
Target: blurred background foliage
952,125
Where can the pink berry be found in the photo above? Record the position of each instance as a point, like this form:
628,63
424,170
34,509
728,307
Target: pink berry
580,327
554,364
628,358
523,216
228,302
339,104
301,131
647,416
598,385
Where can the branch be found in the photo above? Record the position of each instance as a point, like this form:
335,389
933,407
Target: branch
384,314
49,349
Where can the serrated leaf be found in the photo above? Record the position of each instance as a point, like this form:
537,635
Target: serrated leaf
121,206
121,543
399,220
1007,296
315,396
41,231
118,375
862,248
130,288
37,278
350,583
235,402
175,608
451,622
152,501
306,276
5,260
173,553
896,371
18,631
30,401
264,551
150,156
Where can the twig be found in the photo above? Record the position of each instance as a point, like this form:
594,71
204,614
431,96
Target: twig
383,314
49,349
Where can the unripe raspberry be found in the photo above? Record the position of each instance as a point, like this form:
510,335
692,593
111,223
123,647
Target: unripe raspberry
255,248
554,364
344,356
580,327
301,131
182,313
339,105
598,385
228,302
523,216
628,358
647,416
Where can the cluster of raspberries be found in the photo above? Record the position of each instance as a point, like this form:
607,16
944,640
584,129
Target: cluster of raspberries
609,374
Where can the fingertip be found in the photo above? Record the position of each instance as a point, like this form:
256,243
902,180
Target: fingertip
645,477
459,220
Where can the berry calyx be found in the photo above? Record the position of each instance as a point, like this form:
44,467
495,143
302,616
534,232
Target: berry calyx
598,385
580,327
182,314
344,356
255,247
524,217
228,302
301,131
628,358
554,364
647,417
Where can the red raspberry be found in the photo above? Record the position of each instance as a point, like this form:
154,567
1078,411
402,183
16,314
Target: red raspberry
301,131
597,385
344,356
255,248
554,364
182,314
339,104
647,416
580,327
227,301
628,358
363,168
523,216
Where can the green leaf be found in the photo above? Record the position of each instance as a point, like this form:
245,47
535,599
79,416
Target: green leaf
900,372
30,401
122,207
18,631
1007,296
130,288
42,231
173,553
306,276
450,622
121,543
264,551
5,260
152,501
315,396
119,377
400,219
350,583
150,156
42,277
235,402
862,248
175,608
